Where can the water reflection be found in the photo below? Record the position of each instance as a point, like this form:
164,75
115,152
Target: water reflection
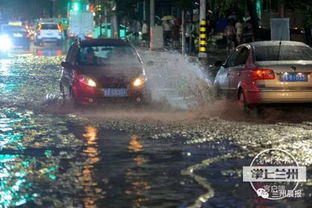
137,187
140,160
14,169
134,145
105,169
30,162
92,192
49,52
7,76
4,67
13,183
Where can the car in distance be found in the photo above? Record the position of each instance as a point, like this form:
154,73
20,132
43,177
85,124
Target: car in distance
14,36
48,32
267,72
102,70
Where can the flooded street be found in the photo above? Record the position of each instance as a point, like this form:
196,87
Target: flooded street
184,150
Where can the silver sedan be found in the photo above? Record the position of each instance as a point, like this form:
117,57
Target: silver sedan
267,72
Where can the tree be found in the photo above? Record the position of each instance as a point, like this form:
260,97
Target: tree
225,8
184,4
306,8
15,9
61,7
251,5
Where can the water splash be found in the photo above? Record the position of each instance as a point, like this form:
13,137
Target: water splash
177,80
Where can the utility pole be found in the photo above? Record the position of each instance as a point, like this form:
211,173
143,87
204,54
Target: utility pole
202,29
144,10
114,24
152,22
100,20
152,13
183,31
106,21
156,32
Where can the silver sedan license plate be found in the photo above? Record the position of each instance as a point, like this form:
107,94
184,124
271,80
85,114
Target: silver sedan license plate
294,77
115,92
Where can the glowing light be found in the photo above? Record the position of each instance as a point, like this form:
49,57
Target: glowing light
91,83
138,82
5,42
76,6
86,80
17,23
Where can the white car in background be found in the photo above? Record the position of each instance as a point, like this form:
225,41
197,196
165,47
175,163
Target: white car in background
48,32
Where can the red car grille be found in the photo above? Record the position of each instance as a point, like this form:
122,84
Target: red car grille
109,82
115,85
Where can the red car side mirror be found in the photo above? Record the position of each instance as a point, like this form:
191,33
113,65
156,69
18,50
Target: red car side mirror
66,64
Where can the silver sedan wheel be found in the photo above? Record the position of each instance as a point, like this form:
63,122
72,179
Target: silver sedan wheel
242,104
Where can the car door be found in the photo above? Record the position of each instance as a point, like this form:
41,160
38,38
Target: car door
222,80
235,69
71,59
223,74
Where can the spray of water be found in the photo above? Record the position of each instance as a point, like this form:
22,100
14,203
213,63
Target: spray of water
176,80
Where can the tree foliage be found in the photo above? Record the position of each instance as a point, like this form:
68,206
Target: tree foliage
126,8
305,7
29,9
184,4
226,7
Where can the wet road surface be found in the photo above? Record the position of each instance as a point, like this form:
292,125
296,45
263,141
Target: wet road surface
187,154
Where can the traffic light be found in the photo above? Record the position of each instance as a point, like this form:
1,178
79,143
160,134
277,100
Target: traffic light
76,6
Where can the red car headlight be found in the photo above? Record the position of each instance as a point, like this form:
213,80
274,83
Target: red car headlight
86,80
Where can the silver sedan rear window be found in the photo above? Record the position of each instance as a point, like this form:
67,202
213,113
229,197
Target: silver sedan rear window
283,53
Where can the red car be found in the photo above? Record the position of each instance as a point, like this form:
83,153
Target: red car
102,70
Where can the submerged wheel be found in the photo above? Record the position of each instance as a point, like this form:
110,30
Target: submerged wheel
72,98
68,96
63,93
242,103
217,91
62,90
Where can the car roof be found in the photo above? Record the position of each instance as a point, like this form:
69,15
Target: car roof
10,27
44,23
103,42
276,43
7,25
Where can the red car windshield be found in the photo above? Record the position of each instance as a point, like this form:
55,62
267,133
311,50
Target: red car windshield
98,55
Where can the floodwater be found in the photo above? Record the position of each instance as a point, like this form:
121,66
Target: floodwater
188,153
